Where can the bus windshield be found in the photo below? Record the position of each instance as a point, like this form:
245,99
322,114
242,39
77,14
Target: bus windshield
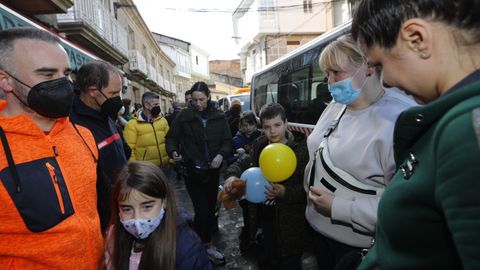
297,82
298,85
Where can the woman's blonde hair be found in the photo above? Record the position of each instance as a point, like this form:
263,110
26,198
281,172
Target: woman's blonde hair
338,52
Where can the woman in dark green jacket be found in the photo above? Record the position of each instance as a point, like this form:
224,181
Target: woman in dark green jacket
200,137
429,215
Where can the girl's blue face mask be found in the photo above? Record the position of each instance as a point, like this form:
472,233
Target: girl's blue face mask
343,91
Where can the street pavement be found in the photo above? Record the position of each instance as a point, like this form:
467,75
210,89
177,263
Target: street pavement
230,222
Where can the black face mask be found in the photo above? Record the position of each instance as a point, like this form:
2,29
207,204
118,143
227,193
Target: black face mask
50,99
111,106
155,111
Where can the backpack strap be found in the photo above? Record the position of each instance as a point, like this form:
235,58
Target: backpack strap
334,123
330,129
85,142
11,163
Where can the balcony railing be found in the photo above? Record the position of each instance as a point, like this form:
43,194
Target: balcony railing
94,14
160,80
152,74
137,62
173,88
166,85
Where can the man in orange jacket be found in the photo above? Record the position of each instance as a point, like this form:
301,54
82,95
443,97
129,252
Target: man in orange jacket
47,164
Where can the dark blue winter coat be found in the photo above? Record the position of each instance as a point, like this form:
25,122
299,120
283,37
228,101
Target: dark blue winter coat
240,139
111,152
191,253
106,134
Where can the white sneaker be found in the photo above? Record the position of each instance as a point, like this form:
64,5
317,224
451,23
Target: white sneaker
215,256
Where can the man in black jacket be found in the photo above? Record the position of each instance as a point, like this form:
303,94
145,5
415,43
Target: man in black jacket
95,108
176,109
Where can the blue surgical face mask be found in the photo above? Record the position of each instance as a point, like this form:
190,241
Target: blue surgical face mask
141,228
343,91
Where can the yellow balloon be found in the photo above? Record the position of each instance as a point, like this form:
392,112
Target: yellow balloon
277,162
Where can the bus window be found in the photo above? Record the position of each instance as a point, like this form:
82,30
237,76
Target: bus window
285,94
221,106
299,95
272,93
302,93
295,89
320,96
296,81
266,90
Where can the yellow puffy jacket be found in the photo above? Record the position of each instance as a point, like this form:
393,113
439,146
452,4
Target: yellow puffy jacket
147,140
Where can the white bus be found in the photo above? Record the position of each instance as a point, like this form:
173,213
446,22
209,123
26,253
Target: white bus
293,81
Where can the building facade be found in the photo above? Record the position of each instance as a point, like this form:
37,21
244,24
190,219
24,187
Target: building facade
199,60
225,77
230,68
149,67
268,29
101,29
179,51
22,14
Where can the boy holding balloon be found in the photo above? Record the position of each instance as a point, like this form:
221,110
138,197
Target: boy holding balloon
279,202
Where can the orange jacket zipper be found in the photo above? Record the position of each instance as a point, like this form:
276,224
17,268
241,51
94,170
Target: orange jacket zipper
51,170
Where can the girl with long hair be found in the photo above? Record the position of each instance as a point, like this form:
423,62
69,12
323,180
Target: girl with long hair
147,231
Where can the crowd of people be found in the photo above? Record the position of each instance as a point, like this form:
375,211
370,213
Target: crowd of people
386,180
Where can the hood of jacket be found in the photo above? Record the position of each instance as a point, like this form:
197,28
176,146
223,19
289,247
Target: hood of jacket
140,116
189,114
81,108
24,125
291,138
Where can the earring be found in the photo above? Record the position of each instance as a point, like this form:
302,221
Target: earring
424,54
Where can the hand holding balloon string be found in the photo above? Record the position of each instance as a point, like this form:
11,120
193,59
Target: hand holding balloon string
274,191
234,188
277,163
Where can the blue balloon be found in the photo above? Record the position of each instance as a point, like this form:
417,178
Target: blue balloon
256,182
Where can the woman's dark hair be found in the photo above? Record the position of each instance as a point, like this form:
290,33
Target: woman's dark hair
202,87
248,117
379,21
160,247
126,102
